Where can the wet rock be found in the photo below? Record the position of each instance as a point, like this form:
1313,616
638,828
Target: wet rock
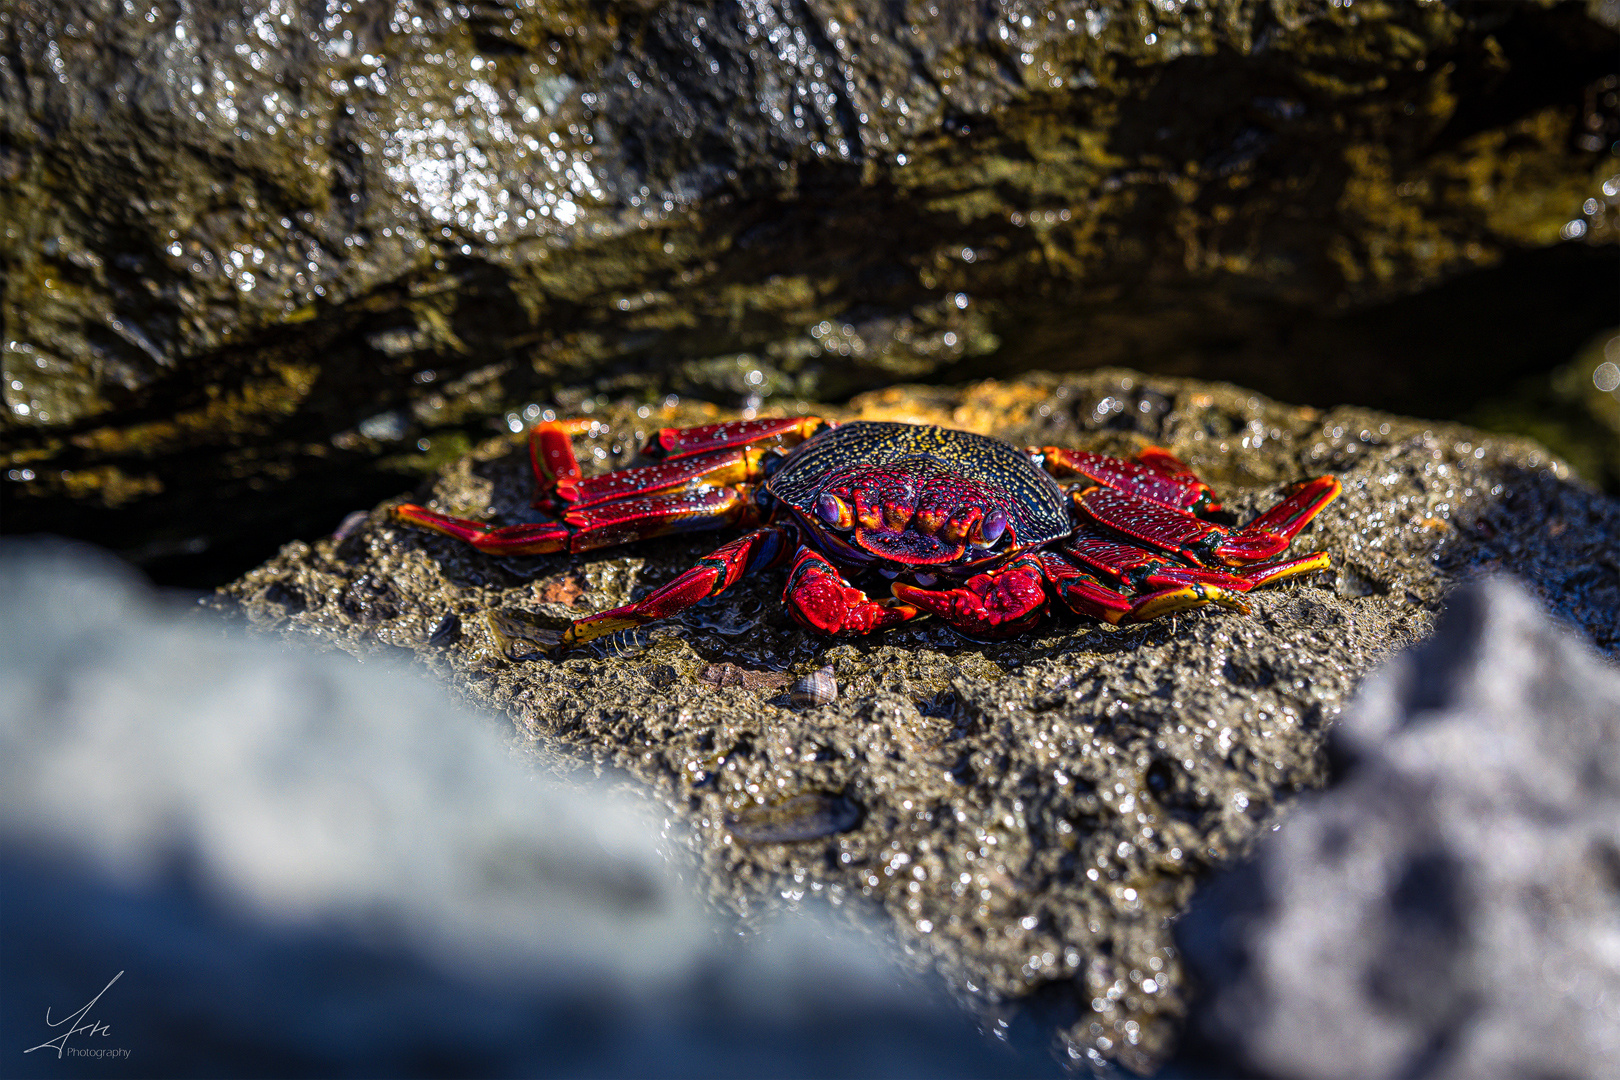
263,253
732,675
1036,811
1451,906
806,816
300,865
369,600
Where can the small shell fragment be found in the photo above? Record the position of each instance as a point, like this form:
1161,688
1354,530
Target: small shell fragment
747,678
447,633
523,635
817,688
809,815
349,525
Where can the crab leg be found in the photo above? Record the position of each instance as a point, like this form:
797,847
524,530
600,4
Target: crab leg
558,483
682,442
607,524
551,456
817,596
1302,503
1138,569
1143,571
996,604
1085,594
1201,541
1161,460
701,490
600,525
538,538
1156,475
724,467
1267,573
714,574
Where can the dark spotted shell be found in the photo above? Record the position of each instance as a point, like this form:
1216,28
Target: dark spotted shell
1038,506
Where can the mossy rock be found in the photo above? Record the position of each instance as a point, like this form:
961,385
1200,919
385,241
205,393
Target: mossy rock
254,255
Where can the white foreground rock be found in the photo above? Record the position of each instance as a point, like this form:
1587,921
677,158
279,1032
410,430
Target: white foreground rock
303,865
1450,908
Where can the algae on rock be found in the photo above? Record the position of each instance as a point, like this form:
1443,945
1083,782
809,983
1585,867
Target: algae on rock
255,253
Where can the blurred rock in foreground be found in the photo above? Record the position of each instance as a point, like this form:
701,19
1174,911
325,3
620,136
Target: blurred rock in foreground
305,866
1451,907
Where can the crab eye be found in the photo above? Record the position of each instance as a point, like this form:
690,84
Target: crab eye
834,511
994,525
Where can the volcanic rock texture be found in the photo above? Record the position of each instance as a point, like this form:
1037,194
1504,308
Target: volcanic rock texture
1029,814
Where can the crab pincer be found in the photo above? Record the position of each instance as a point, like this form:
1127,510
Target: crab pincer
998,604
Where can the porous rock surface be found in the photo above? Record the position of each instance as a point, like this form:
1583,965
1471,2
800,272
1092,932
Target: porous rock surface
1450,907
298,865
1030,814
257,250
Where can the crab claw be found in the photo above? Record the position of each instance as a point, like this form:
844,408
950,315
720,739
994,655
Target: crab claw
997,604
818,597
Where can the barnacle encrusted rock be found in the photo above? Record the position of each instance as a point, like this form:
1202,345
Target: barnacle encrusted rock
1030,813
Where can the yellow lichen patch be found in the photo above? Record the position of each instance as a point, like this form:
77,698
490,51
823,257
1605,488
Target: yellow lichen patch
110,484
905,405
243,410
1522,194
990,406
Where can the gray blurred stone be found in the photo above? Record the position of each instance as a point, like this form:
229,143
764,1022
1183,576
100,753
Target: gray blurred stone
1451,907
305,865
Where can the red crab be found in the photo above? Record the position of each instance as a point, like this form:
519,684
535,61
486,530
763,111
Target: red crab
966,527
